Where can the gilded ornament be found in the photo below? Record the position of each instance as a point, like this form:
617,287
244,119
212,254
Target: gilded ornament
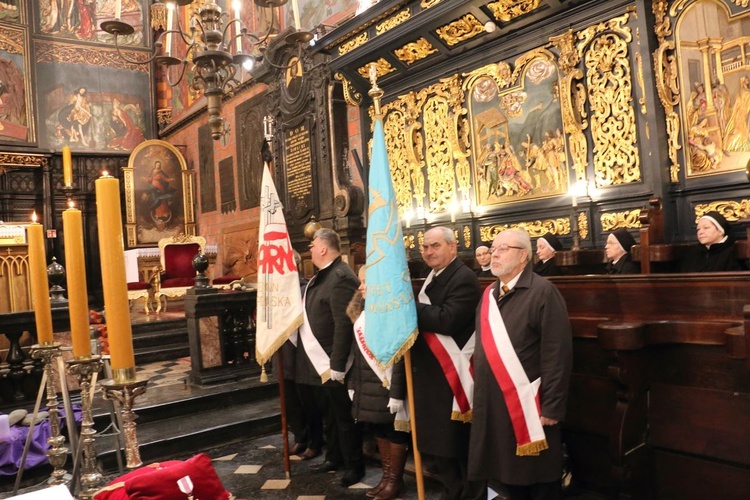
583,225
351,96
352,44
467,237
667,88
11,40
415,51
742,3
505,10
164,116
22,160
420,238
392,22
731,210
438,154
616,159
396,146
460,30
662,24
382,68
569,58
615,220
641,83
535,228
409,241
500,72
455,235
158,16
426,4
48,52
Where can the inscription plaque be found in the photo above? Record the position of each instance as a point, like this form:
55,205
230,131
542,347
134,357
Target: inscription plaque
299,170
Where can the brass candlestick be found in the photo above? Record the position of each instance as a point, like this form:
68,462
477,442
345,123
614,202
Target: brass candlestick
57,453
91,478
124,393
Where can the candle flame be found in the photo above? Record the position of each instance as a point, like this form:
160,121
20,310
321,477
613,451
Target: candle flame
33,216
105,173
71,204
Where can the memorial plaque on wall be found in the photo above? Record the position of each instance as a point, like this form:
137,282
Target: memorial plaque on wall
226,183
299,170
250,138
206,169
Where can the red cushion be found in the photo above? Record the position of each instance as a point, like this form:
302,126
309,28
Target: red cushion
115,490
162,484
139,285
175,282
224,280
178,260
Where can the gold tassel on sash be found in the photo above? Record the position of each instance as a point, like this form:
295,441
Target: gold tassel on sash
531,449
263,374
462,417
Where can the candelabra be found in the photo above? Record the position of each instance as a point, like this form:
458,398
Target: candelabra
123,391
91,478
214,43
57,453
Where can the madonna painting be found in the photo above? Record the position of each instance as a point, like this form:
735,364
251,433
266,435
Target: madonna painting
158,188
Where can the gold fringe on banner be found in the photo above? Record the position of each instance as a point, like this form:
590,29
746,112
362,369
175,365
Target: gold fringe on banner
531,449
263,374
462,417
402,425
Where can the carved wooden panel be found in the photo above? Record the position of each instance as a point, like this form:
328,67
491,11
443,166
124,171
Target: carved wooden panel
207,169
226,185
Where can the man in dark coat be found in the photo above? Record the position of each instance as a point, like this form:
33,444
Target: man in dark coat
325,349
452,290
522,365
617,250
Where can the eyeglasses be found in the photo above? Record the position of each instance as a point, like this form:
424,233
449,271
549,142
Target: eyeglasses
503,248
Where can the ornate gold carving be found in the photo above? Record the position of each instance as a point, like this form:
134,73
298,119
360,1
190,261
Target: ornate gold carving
351,96
164,116
505,10
467,237
420,238
22,160
396,145
11,40
535,228
409,241
438,154
460,30
731,210
500,72
615,220
583,225
426,4
352,44
159,16
572,102
392,22
667,88
382,68
414,51
610,93
48,52
742,3
641,83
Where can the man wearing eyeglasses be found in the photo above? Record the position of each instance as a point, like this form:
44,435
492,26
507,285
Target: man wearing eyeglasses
441,358
522,365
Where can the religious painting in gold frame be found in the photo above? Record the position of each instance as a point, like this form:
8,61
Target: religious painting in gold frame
518,142
16,108
159,194
714,77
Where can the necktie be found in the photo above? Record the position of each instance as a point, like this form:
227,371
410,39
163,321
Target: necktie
505,289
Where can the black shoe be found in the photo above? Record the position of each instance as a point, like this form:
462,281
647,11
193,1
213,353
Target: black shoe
326,467
297,449
353,475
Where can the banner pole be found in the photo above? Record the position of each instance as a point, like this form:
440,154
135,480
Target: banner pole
413,422
284,428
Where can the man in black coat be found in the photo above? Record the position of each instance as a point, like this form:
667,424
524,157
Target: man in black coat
323,359
447,305
522,366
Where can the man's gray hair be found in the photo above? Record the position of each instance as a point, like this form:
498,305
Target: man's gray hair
448,235
524,240
330,238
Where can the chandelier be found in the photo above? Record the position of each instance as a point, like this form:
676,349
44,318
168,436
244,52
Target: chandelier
215,44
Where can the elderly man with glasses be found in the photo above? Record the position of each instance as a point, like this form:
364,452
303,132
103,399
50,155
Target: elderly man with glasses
522,364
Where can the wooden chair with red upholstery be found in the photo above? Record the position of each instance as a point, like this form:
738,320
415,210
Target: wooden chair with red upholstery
177,273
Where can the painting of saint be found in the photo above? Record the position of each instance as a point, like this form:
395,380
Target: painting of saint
519,146
16,118
716,109
80,19
126,135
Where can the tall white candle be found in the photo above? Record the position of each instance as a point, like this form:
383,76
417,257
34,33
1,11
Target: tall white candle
118,9
238,26
295,10
170,20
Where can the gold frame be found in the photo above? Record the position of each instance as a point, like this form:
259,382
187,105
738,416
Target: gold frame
7,42
188,194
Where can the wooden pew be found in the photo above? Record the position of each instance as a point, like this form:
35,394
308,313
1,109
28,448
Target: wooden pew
660,395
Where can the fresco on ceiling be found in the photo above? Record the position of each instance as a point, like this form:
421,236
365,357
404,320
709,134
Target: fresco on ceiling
517,137
714,73
80,19
16,114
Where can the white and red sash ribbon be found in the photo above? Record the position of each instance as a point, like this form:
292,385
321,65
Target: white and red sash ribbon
456,364
401,422
521,395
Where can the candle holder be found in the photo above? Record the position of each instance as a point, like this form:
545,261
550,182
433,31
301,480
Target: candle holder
124,393
574,229
91,478
57,453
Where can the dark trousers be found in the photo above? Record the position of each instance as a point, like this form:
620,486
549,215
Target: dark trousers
295,413
456,486
343,435
539,491
313,407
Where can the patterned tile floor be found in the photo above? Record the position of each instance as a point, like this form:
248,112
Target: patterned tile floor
162,373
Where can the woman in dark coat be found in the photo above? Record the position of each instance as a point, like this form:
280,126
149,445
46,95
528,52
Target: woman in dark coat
546,246
715,248
617,250
375,405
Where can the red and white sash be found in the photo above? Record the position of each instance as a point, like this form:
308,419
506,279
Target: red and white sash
401,422
521,395
456,364
315,352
